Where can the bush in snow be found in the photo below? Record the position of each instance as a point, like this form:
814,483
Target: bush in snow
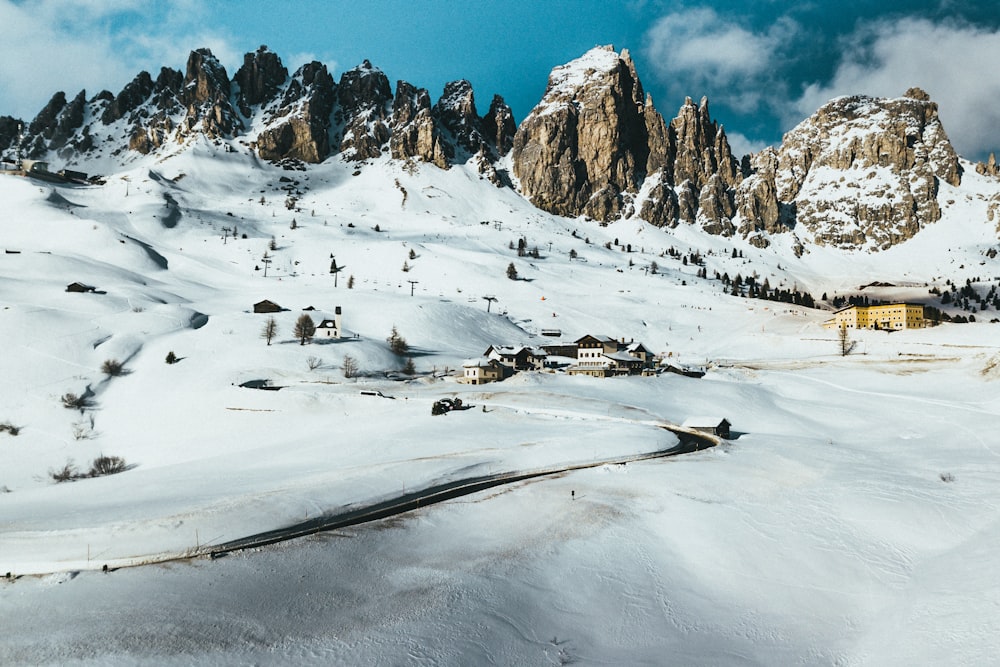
9,428
112,367
74,402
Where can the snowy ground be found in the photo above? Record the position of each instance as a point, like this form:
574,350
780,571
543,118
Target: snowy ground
851,522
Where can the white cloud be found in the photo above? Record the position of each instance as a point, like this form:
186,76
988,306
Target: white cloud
706,53
742,145
951,61
95,44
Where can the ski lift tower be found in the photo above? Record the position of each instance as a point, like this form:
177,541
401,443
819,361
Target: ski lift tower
18,163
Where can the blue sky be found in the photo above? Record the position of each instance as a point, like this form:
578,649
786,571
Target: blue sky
764,65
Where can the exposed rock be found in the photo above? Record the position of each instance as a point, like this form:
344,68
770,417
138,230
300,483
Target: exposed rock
132,95
45,122
661,206
8,131
364,97
146,137
702,149
498,127
414,133
716,207
298,128
586,142
206,95
70,119
757,196
259,79
662,144
167,90
456,112
865,171
989,168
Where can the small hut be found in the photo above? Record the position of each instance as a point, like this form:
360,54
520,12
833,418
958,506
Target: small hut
266,306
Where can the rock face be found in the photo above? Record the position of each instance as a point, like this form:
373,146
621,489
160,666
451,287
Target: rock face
414,132
499,127
206,95
259,79
865,171
364,98
298,127
585,146
988,168
861,172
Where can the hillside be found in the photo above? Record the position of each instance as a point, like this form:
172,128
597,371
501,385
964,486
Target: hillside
849,521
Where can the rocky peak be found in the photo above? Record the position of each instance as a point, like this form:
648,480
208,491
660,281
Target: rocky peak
585,145
259,79
989,168
363,97
866,171
167,89
456,112
298,126
206,94
132,95
702,149
9,127
499,127
414,132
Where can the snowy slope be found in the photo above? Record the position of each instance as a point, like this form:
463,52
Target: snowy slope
825,533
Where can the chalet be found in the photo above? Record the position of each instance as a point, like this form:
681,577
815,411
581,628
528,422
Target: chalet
712,425
266,306
520,358
640,351
328,328
598,368
887,317
79,287
481,371
592,348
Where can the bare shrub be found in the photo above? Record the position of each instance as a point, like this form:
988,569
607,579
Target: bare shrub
83,430
313,363
112,367
107,465
68,473
350,366
947,477
75,402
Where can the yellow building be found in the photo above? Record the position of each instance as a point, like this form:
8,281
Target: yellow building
889,317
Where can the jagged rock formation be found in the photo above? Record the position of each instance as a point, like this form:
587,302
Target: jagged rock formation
414,132
259,79
988,168
364,98
866,171
498,127
298,126
861,172
207,95
585,145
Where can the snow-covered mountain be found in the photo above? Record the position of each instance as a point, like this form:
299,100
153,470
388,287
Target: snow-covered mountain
849,521
861,173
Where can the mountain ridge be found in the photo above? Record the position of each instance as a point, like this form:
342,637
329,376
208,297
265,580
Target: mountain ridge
861,173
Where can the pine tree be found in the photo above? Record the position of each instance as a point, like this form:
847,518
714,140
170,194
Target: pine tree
512,271
397,343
